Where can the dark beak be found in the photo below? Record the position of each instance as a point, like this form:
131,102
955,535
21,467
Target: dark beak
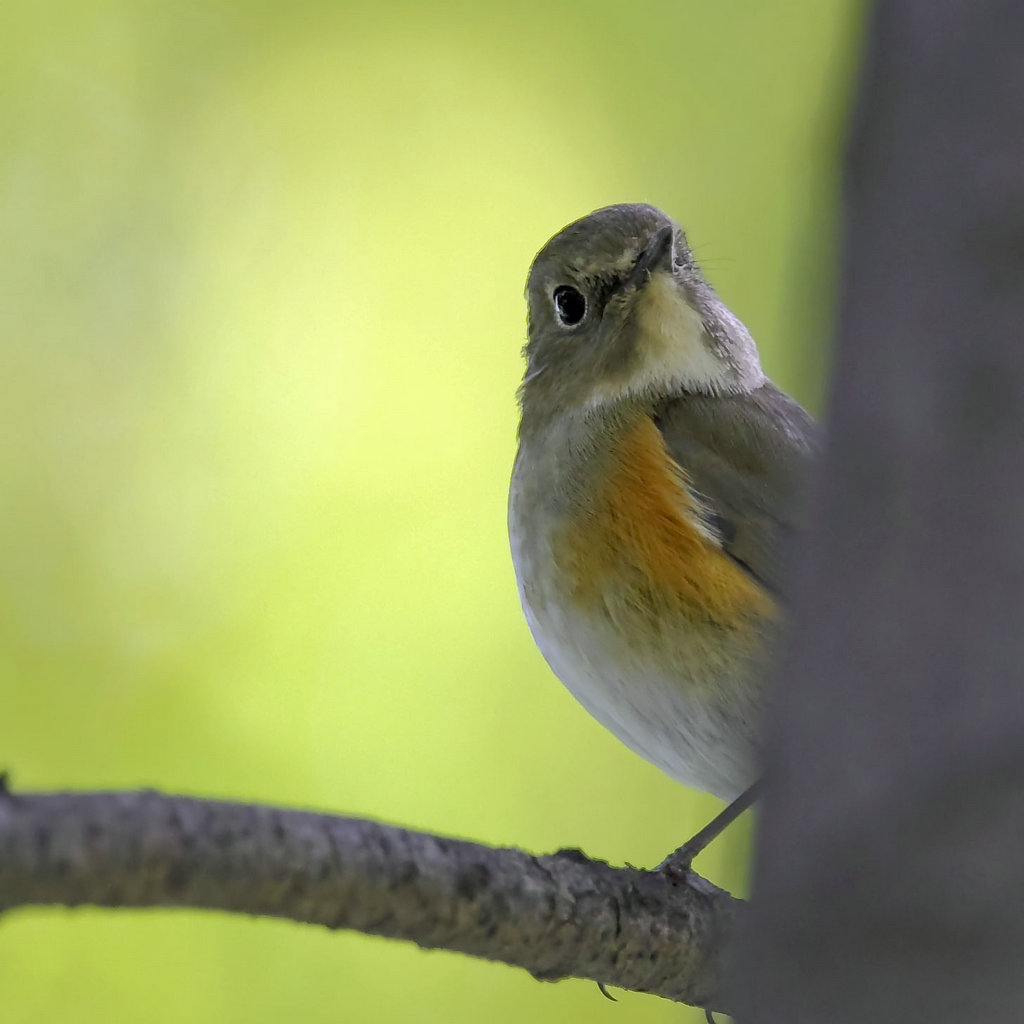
657,255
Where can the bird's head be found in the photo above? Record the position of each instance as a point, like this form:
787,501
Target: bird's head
619,309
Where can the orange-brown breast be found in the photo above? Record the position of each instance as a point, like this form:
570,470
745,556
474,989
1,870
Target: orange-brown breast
637,551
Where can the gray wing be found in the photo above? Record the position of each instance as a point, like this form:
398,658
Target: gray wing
746,457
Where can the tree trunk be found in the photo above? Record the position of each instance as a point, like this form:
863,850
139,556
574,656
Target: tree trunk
889,883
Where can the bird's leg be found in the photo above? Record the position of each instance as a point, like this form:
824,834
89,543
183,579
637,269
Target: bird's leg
677,863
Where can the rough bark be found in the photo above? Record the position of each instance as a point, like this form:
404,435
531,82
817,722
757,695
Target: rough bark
558,916
890,876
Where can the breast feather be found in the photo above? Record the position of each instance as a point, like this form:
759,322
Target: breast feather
640,547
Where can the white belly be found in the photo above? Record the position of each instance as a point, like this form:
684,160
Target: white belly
696,719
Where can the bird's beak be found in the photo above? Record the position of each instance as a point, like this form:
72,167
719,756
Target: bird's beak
656,255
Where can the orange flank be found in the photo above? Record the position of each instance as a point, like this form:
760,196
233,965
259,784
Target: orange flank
639,549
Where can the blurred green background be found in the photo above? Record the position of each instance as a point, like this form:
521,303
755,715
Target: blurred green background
260,319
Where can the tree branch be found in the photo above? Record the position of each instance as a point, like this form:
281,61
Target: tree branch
557,916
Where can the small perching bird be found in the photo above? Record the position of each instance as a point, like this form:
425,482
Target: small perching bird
654,499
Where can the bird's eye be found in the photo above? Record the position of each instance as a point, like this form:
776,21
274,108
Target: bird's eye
570,305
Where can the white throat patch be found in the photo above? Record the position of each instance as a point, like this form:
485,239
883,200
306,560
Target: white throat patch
674,344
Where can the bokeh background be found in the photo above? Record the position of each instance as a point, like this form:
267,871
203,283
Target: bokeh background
260,319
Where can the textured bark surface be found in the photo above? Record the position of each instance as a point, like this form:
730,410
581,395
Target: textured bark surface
890,877
557,916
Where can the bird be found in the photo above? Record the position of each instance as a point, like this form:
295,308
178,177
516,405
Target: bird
655,502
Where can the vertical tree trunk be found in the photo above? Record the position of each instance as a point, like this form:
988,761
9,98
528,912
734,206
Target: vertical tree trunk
890,875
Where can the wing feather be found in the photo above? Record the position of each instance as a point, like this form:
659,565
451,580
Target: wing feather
746,458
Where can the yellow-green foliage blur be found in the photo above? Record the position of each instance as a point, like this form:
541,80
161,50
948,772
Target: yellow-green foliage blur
260,319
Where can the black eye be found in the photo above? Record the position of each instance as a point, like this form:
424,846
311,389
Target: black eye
570,305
